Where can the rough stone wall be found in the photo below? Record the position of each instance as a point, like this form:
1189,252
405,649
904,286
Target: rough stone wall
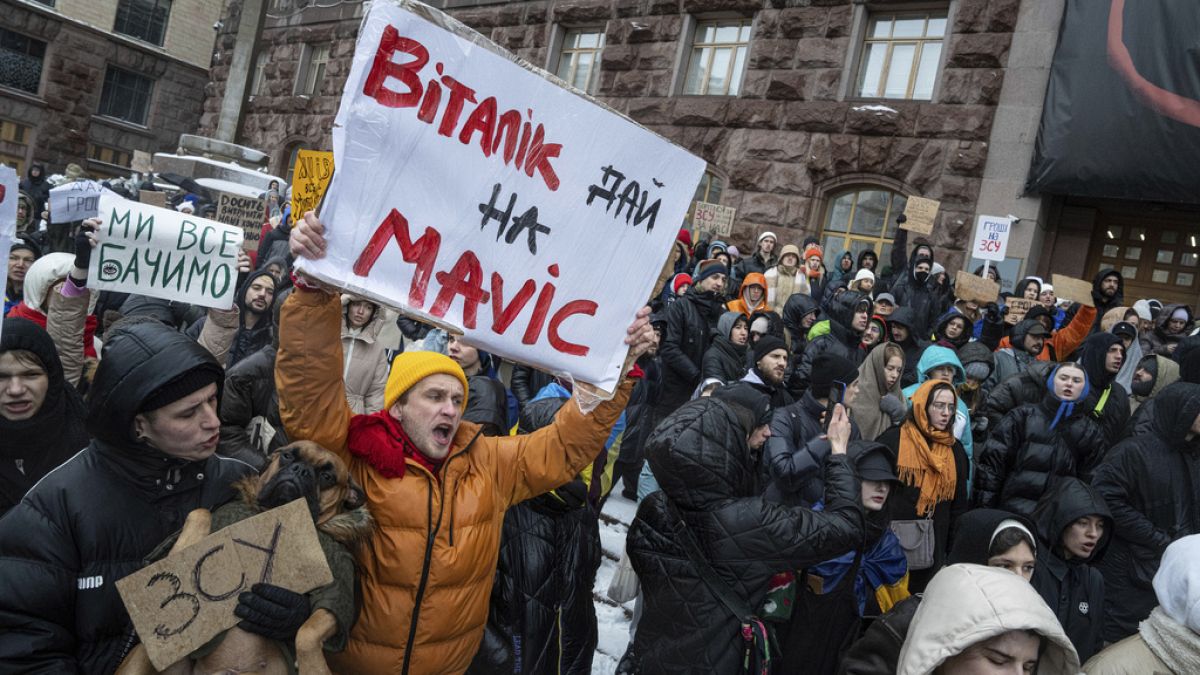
63,113
782,143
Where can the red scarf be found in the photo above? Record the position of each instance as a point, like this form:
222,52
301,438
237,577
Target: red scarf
381,442
23,311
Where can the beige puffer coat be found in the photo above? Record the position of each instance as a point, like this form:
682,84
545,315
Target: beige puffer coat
364,362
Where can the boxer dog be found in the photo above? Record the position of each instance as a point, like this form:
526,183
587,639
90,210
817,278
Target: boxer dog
300,470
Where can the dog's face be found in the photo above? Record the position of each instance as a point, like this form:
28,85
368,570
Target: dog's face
306,470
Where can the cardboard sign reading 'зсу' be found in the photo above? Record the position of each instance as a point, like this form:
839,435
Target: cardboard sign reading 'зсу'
184,600
474,191
163,253
714,219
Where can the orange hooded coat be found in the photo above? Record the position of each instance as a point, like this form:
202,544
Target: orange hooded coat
741,305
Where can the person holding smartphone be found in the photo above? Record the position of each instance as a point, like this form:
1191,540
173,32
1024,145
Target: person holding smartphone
799,440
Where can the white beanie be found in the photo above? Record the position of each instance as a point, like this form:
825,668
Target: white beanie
1142,307
764,235
1047,288
936,269
761,325
1177,582
1181,314
864,274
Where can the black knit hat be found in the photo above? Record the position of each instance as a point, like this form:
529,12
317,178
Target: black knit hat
187,383
767,344
829,368
745,396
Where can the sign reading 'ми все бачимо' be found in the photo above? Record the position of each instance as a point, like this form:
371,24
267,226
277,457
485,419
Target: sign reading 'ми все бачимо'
476,191
163,253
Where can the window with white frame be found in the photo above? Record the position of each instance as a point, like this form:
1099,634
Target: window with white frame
901,54
259,81
579,59
312,69
718,57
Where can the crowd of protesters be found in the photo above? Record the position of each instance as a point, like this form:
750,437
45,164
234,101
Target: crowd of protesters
840,465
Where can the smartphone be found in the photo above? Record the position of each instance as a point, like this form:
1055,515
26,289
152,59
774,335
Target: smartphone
837,394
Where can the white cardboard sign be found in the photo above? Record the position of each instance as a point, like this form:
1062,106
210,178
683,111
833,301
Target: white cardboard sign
9,189
163,253
715,219
76,201
991,237
474,190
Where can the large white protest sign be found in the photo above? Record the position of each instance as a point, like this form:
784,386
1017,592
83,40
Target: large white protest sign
9,189
476,191
163,253
991,237
76,201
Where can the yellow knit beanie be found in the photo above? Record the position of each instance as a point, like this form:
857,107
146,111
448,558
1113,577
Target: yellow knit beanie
410,368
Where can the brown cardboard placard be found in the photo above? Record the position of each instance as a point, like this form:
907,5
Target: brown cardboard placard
153,198
1017,307
248,213
1075,290
141,161
184,600
919,214
973,288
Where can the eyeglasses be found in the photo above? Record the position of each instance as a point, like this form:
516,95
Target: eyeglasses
941,407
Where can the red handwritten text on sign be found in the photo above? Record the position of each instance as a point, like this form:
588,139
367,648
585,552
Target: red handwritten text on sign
533,152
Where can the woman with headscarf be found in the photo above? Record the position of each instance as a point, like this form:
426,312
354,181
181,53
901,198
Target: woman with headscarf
933,469
725,359
1037,443
41,416
880,402
987,537
785,279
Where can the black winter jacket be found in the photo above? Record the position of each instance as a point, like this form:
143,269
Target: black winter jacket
487,404
700,458
795,309
945,515
841,339
1152,485
924,301
912,346
246,340
527,381
249,393
691,322
1024,457
1028,386
724,361
796,451
877,652
98,515
541,618
1073,588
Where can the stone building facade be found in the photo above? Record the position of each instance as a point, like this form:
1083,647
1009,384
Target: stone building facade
91,81
795,150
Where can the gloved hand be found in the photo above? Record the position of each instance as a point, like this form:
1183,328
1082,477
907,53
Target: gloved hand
272,612
83,247
992,313
893,407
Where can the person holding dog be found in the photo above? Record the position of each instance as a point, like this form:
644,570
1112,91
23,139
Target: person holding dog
437,488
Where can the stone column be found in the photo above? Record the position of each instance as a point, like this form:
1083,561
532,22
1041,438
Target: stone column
241,70
1014,131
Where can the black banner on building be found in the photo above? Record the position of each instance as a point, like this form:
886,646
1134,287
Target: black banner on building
1122,112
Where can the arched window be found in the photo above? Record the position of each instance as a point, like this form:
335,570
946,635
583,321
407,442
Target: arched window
861,218
290,155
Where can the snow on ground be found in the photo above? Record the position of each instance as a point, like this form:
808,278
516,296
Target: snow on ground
612,619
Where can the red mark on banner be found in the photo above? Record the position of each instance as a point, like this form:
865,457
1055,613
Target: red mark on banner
384,66
465,279
422,252
586,307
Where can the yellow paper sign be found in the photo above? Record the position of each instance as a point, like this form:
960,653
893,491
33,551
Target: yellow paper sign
310,178
919,214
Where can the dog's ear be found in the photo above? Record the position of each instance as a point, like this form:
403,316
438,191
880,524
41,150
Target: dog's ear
355,496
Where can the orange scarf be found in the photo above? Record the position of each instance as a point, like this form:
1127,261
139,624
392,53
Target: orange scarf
926,457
